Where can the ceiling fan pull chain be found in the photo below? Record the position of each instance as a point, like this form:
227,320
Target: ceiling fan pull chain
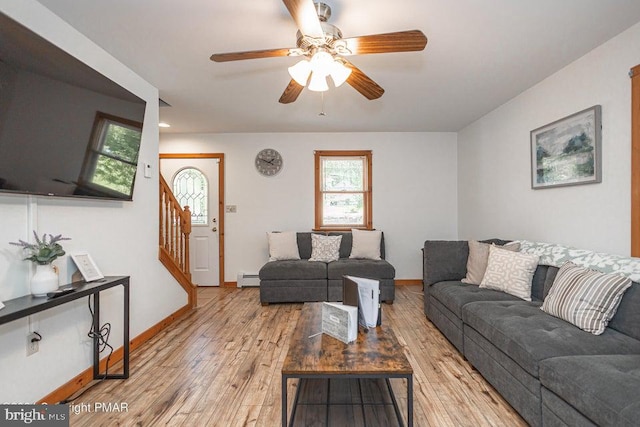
322,113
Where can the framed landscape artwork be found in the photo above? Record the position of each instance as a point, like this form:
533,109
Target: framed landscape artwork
568,151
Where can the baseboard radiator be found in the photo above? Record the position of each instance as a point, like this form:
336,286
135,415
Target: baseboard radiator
246,280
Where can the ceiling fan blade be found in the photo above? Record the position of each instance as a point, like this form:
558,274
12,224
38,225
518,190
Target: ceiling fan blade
250,54
362,83
291,93
402,41
306,17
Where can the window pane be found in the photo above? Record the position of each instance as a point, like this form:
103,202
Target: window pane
122,142
343,209
114,174
341,174
190,189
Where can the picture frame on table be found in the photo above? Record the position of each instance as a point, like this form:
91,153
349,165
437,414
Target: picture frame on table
568,151
87,266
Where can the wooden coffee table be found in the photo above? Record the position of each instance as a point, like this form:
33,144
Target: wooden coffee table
375,354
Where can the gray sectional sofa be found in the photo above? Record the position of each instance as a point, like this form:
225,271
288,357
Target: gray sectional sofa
307,281
551,372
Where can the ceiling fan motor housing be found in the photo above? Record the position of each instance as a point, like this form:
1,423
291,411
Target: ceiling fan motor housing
323,10
331,32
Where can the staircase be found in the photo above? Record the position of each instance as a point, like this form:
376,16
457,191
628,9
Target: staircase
175,227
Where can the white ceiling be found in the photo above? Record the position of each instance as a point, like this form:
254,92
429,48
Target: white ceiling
480,54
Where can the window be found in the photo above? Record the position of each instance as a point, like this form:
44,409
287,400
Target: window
190,189
112,156
343,189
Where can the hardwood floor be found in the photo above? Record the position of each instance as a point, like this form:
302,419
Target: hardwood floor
220,366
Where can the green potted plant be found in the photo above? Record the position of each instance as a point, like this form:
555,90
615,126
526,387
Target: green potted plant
43,252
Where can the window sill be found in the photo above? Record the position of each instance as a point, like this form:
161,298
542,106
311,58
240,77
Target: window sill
341,228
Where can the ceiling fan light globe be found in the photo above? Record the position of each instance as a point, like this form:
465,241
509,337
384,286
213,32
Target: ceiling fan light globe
300,72
318,82
322,62
339,73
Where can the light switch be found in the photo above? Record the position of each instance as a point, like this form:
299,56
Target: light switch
147,169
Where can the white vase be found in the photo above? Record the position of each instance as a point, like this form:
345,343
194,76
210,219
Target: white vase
45,280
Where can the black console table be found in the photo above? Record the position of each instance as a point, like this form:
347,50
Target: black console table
27,305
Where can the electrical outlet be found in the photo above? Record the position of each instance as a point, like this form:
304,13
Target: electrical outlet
33,343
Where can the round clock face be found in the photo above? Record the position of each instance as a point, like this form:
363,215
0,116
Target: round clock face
268,162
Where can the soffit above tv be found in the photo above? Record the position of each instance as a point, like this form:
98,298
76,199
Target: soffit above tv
21,47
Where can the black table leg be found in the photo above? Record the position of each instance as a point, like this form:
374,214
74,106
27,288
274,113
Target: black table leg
96,331
284,401
126,331
410,401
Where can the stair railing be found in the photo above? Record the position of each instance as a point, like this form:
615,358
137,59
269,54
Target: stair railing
175,228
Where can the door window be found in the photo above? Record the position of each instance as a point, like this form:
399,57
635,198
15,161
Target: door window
190,188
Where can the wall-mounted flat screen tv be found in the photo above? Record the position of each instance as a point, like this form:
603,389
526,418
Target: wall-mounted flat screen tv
65,129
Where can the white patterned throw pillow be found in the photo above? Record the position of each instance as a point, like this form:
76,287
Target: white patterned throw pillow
586,298
478,258
325,248
510,272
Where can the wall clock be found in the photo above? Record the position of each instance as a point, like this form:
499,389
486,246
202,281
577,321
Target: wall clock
268,162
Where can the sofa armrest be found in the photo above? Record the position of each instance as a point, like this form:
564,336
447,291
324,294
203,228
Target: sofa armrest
444,260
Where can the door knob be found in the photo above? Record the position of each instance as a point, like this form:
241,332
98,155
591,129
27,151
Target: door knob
214,229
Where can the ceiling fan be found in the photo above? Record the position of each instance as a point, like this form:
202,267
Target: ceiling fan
324,51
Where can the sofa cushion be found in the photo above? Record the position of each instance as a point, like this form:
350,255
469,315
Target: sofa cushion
455,294
444,260
627,317
293,270
542,281
304,244
549,277
606,389
293,290
528,335
368,268
510,272
584,297
345,244
558,413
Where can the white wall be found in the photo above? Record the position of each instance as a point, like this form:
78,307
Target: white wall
121,237
494,186
414,190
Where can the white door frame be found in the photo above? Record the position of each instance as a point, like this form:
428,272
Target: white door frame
220,157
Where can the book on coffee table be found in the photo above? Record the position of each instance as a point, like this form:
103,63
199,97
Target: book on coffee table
340,321
364,294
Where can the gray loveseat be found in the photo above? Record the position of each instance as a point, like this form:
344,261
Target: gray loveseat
551,372
307,281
